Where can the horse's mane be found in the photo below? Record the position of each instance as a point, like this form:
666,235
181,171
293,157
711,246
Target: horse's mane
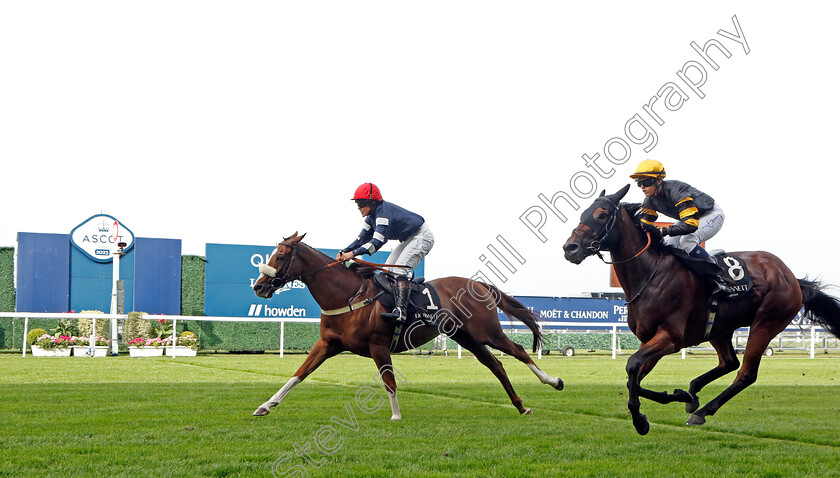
362,271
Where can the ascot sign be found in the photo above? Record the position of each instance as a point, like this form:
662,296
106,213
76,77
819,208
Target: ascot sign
99,237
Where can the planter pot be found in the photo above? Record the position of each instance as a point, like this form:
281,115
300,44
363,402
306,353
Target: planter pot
180,351
84,351
42,352
145,351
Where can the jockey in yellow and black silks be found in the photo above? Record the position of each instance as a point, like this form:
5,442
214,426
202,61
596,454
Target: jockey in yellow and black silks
697,214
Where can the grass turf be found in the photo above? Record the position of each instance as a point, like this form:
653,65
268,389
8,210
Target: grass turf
191,417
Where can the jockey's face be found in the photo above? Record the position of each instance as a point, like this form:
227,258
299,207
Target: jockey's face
364,206
649,186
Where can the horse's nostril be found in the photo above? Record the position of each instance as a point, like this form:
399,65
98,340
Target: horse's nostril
572,247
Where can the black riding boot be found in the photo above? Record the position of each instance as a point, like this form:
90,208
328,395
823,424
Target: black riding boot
717,275
401,298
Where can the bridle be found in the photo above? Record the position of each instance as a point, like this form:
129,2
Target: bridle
596,246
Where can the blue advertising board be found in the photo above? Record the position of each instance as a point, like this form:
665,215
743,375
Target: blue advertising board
230,275
52,276
589,312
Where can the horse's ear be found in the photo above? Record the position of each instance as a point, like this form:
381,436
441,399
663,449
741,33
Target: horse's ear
623,191
290,237
294,239
603,192
620,194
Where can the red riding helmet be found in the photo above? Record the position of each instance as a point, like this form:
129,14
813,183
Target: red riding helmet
368,191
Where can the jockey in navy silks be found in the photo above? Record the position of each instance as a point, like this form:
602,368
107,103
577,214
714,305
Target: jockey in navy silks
385,221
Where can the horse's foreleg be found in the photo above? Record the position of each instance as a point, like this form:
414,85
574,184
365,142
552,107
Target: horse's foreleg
651,351
320,352
382,358
660,397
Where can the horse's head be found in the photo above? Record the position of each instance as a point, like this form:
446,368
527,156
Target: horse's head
597,229
280,268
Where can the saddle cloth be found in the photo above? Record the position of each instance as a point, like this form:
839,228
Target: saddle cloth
731,269
735,270
423,301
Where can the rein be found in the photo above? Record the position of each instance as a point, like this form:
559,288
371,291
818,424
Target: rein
379,267
627,260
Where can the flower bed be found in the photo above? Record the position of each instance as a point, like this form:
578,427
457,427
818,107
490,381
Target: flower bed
38,351
82,348
142,347
145,351
47,345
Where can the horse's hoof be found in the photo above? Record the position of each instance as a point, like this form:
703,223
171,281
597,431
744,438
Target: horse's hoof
692,406
683,396
695,420
261,412
642,425
527,411
559,385
396,417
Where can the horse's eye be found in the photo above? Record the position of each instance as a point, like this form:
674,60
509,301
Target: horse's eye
602,217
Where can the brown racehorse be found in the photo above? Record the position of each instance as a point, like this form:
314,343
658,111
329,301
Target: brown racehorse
668,306
467,311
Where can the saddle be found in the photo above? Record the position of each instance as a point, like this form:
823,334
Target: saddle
423,300
731,271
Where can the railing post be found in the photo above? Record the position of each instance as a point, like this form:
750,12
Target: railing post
25,331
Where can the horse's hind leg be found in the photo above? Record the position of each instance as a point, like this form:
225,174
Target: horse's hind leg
490,361
504,344
756,345
727,362
320,352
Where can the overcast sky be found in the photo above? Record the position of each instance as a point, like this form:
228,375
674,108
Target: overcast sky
243,122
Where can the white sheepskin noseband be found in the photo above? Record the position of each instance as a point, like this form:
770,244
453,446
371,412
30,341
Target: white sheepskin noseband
268,270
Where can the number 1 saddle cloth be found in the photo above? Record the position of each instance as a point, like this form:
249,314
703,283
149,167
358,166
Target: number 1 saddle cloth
423,302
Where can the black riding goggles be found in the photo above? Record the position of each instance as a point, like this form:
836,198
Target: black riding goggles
646,183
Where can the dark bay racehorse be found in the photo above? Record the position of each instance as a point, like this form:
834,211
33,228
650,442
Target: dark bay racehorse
668,306
351,322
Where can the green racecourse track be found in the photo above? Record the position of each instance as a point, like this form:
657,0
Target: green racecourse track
191,417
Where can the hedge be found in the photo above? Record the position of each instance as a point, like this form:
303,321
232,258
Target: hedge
7,297
192,285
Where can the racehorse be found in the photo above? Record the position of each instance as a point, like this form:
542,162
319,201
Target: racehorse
668,305
350,319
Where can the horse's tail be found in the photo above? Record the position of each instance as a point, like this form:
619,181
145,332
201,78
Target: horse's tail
514,308
823,308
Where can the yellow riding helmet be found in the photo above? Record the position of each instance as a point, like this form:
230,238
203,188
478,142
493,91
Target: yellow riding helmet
649,168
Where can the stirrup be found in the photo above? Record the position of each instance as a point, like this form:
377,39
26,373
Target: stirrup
397,315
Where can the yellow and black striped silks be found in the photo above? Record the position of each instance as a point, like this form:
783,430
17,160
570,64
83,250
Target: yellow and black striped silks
679,201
